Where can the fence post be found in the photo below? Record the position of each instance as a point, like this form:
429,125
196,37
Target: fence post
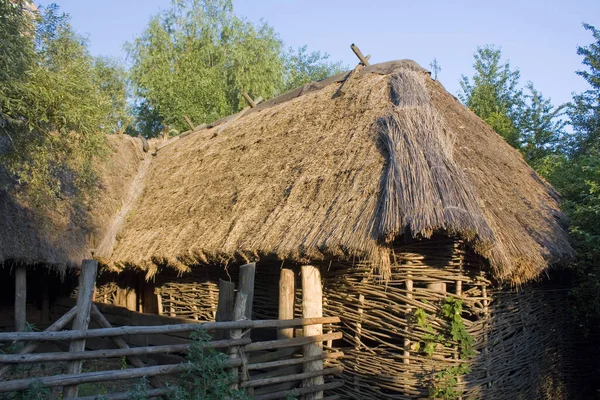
286,301
85,294
312,307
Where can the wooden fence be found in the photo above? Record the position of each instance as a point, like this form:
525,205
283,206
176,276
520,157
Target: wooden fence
265,368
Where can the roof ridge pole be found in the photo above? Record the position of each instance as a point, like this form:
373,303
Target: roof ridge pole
249,99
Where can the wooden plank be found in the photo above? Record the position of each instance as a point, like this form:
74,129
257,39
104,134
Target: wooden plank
286,301
246,286
85,295
294,342
141,330
293,361
312,307
151,393
224,306
20,298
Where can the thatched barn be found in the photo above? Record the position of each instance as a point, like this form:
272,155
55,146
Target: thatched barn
42,249
420,218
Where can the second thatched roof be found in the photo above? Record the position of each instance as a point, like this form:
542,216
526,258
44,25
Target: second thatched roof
339,170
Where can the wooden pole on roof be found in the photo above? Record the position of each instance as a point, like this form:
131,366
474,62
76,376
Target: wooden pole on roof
189,122
312,306
20,298
251,102
364,60
85,295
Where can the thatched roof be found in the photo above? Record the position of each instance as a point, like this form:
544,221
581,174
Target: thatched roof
340,169
65,236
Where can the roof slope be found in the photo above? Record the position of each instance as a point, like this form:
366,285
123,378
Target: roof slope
67,236
339,172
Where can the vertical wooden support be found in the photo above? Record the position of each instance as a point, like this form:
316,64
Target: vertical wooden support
131,301
45,311
409,290
149,298
312,307
246,285
238,314
224,307
287,290
20,298
159,300
85,294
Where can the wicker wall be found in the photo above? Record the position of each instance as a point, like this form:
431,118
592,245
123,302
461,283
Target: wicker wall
522,338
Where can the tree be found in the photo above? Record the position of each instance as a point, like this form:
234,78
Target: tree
493,93
197,57
302,67
539,126
56,107
578,179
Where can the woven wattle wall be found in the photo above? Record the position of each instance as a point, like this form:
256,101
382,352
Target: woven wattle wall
522,338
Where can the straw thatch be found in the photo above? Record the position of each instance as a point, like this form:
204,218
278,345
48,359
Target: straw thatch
65,236
341,171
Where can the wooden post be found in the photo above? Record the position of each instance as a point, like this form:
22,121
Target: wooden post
364,60
131,299
358,335
246,285
85,294
224,307
238,314
312,306
20,298
287,290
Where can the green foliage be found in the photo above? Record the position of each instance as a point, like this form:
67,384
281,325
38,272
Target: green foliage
206,376
575,172
196,57
446,382
444,385
54,108
493,92
302,67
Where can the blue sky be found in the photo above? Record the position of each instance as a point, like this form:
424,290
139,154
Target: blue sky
539,37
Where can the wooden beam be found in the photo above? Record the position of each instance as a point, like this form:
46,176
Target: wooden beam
149,330
363,60
20,298
286,301
224,306
251,102
85,295
312,307
189,122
